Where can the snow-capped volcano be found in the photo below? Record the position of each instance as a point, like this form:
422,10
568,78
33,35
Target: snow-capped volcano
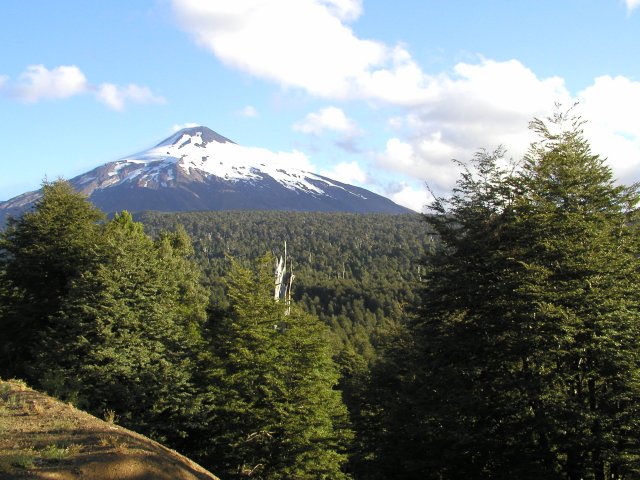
199,153
198,169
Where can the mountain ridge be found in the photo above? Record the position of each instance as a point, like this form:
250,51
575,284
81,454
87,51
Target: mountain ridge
198,169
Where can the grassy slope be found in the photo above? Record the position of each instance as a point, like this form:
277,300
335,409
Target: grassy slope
42,438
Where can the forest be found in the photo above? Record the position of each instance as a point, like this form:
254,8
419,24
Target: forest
356,272
495,338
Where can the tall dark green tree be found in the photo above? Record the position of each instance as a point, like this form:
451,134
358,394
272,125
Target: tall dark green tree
578,244
523,360
275,412
99,313
130,331
41,254
441,391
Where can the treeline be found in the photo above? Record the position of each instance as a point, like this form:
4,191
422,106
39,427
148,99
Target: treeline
517,354
357,273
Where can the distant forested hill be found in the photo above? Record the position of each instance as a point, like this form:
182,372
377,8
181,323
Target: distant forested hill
357,272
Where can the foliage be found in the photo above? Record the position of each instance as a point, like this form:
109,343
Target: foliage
252,391
41,253
274,412
523,360
355,272
130,330
117,316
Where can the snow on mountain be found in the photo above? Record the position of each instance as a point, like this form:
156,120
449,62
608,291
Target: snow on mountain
198,169
200,152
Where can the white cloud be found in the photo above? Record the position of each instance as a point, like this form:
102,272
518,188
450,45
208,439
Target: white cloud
423,159
398,80
328,118
489,104
308,44
612,107
179,126
346,10
476,106
347,172
110,95
116,97
632,4
37,82
249,112
296,43
414,198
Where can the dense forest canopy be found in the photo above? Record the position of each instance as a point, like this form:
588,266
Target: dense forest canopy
356,272
497,338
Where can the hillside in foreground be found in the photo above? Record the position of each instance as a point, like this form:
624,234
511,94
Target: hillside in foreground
43,438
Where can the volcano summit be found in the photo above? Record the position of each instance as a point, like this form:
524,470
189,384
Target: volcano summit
198,169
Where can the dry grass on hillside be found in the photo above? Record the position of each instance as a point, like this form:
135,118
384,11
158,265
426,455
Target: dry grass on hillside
42,438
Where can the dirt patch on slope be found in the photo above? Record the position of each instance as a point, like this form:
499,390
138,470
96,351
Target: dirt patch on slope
42,438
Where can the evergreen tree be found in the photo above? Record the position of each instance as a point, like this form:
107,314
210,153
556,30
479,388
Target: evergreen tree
101,314
523,359
274,411
131,332
41,254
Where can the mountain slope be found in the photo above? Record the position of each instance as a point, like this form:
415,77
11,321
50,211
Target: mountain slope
198,169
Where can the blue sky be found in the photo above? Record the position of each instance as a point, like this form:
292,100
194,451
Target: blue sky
375,93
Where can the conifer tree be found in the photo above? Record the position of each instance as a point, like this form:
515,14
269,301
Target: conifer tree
132,332
275,413
100,314
41,254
